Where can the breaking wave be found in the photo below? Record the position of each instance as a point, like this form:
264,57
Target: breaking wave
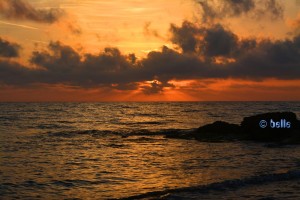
224,185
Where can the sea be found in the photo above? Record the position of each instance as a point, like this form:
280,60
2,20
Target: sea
115,150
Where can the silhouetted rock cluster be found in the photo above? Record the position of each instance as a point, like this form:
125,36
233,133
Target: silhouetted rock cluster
278,127
281,126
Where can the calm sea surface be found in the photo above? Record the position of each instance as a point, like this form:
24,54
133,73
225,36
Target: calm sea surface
78,150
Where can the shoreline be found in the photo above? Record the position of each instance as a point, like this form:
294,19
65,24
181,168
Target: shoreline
223,186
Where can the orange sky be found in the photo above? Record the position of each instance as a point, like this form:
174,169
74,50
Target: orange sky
139,27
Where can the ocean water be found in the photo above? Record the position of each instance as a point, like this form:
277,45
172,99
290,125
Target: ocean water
115,151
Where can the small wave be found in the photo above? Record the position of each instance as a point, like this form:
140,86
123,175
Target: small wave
79,182
66,122
148,114
210,114
9,118
190,110
145,139
224,185
150,122
112,145
60,183
125,107
122,133
140,123
27,183
84,132
51,126
73,183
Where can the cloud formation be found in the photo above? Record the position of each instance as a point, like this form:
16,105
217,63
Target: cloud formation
218,9
22,10
184,36
206,52
8,49
209,41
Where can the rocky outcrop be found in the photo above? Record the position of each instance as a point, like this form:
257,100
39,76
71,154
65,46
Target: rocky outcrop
271,127
211,132
278,127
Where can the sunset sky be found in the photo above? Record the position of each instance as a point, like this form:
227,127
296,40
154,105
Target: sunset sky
159,50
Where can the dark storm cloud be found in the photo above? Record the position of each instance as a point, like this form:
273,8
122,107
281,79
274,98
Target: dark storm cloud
209,42
219,9
238,7
266,59
64,64
12,73
225,8
279,59
254,60
21,9
168,64
219,42
8,50
184,36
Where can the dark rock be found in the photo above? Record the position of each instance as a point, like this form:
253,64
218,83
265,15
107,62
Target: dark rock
187,136
219,126
277,126
218,131
294,138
